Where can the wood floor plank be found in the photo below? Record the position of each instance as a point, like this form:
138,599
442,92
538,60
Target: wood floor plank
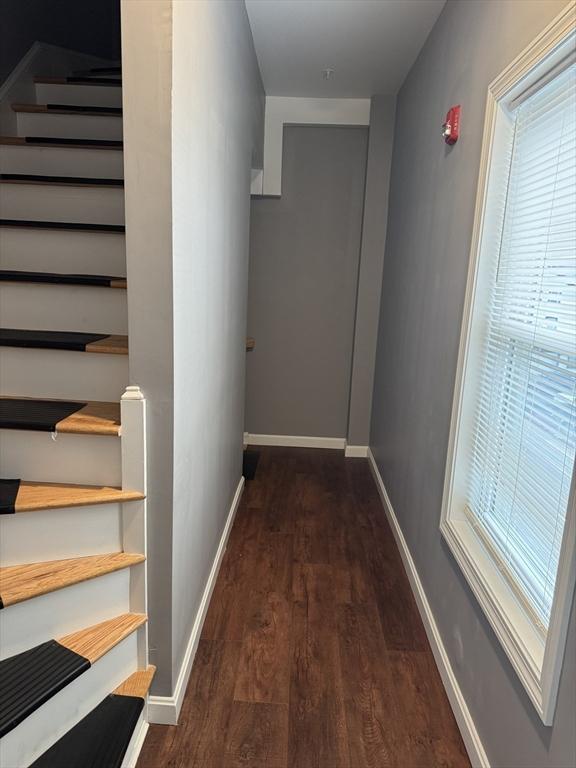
317,721
257,736
312,566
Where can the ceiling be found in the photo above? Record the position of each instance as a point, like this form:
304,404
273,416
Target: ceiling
370,44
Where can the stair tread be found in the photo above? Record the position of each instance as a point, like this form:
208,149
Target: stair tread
93,642
68,109
137,684
48,141
250,343
23,582
103,736
72,341
31,678
61,278
30,496
113,82
70,226
63,416
74,181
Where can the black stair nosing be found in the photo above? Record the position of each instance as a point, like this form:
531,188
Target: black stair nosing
114,82
98,70
29,679
57,278
100,739
9,489
66,225
73,341
80,109
76,181
52,141
35,414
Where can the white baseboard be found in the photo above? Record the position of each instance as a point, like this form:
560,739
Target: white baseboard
165,710
136,744
356,451
295,441
462,714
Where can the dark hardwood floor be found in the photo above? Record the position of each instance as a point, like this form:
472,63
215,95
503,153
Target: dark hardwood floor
313,654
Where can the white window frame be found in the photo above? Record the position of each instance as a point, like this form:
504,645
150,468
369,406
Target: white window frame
536,657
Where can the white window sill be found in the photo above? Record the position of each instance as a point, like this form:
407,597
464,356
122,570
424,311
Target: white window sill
520,637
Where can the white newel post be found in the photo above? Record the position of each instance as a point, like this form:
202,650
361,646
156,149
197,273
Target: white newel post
133,436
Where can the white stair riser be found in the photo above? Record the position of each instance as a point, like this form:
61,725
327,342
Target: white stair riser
47,202
85,95
53,719
43,250
90,459
44,306
60,161
67,610
29,537
62,374
69,126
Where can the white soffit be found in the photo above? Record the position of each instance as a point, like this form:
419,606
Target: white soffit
369,44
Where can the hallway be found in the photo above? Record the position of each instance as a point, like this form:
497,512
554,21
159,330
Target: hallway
313,653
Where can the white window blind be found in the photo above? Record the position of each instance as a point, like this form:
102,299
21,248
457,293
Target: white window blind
524,436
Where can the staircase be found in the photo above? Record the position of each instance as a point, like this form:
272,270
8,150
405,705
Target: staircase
74,673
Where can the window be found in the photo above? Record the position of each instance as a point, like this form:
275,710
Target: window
508,512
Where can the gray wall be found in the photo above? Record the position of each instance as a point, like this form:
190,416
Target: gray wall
432,201
217,118
304,255
371,262
89,26
191,137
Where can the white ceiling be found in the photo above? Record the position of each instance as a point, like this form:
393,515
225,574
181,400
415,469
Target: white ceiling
370,44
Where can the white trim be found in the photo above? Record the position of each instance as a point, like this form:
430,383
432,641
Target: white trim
356,451
136,743
537,661
466,724
165,710
295,441
302,111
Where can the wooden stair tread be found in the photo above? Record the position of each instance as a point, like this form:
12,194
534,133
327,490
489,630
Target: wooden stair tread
250,343
23,582
137,684
90,418
32,496
70,226
79,80
59,181
68,109
93,642
72,341
48,141
59,278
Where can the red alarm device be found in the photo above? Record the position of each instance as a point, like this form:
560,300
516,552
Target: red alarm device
451,126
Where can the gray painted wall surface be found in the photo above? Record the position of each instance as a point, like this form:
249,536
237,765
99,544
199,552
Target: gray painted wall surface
371,262
190,139
217,119
304,254
147,56
89,26
432,201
